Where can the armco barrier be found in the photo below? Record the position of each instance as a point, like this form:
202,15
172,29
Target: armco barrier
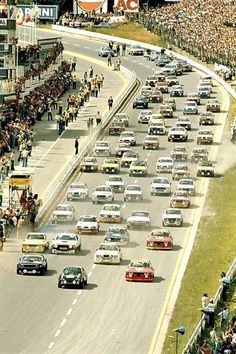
104,37
197,332
88,145
202,68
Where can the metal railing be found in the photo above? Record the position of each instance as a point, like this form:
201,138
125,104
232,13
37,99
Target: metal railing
201,324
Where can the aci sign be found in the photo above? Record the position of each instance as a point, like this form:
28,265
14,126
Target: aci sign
127,5
44,12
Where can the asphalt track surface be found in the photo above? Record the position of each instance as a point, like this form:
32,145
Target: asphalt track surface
110,316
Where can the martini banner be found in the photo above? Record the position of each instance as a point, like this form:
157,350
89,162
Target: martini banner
127,5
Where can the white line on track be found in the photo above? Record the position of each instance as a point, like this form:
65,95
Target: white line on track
69,312
148,154
93,266
89,274
125,58
74,302
64,42
134,61
87,47
147,66
76,45
57,333
141,64
51,345
63,322
124,205
136,181
79,292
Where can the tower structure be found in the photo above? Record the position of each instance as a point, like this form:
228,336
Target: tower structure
8,48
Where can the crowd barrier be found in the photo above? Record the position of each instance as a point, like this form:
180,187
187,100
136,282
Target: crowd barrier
89,144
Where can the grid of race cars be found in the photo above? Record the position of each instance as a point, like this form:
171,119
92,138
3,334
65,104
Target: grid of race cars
162,117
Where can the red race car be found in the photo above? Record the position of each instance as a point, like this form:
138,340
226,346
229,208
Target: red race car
140,270
159,239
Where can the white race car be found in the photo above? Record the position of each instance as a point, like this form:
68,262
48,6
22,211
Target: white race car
160,185
128,137
116,183
133,192
110,213
164,164
63,213
117,234
102,193
108,253
139,219
87,224
186,184
102,148
76,191
172,217
66,243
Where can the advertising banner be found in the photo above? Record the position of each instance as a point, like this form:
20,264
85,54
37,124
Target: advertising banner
127,5
92,5
42,12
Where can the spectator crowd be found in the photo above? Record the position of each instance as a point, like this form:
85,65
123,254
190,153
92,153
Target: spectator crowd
206,29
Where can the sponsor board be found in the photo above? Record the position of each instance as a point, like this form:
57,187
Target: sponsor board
30,12
127,5
92,5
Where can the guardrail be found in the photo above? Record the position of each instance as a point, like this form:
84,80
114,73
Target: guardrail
129,42
201,324
89,144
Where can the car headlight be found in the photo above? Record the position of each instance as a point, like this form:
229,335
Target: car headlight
70,246
55,245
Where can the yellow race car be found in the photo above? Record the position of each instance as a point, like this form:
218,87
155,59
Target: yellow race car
35,242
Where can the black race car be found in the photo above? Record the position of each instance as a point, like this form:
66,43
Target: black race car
32,264
73,277
140,102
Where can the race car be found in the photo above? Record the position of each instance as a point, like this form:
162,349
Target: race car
116,128
73,276
172,80
184,122
171,102
35,242
66,243
77,191
187,185
135,50
139,219
206,118
213,106
63,213
105,51
140,102
180,199
199,154
190,107
205,136
89,164
177,134
118,235
179,153
102,193
157,129
102,148
140,270
122,117
205,169
180,171
144,116
128,157
159,239
32,264
128,137
172,217
162,87
151,142
121,148
87,224
110,213
111,165
194,97
160,186
133,192
166,110
138,168
164,165
116,183
176,91
108,253
155,97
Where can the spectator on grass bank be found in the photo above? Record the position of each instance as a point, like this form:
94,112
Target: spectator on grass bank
224,316
225,282
205,300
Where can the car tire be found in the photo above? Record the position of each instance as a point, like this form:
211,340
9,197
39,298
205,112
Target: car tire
18,271
59,285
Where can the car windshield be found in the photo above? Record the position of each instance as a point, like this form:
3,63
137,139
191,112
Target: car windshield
88,218
101,144
31,259
109,161
115,179
140,213
139,163
140,264
103,189
106,247
66,237
173,211
72,270
133,188
111,207
63,208
117,230
163,160
180,194
205,132
78,186
128,134
186,182
161,180
190,104
179,149
181,167
131,154
90,159
151,137
35,237
160,233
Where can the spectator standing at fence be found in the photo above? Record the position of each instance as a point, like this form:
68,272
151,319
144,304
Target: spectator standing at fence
224,316
74,81
123,49
76,146
24,156
1,195
109,62
118,49
211,309
225,286
110,102
12,158
49,113
90,72
73,65
60,108
205,300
